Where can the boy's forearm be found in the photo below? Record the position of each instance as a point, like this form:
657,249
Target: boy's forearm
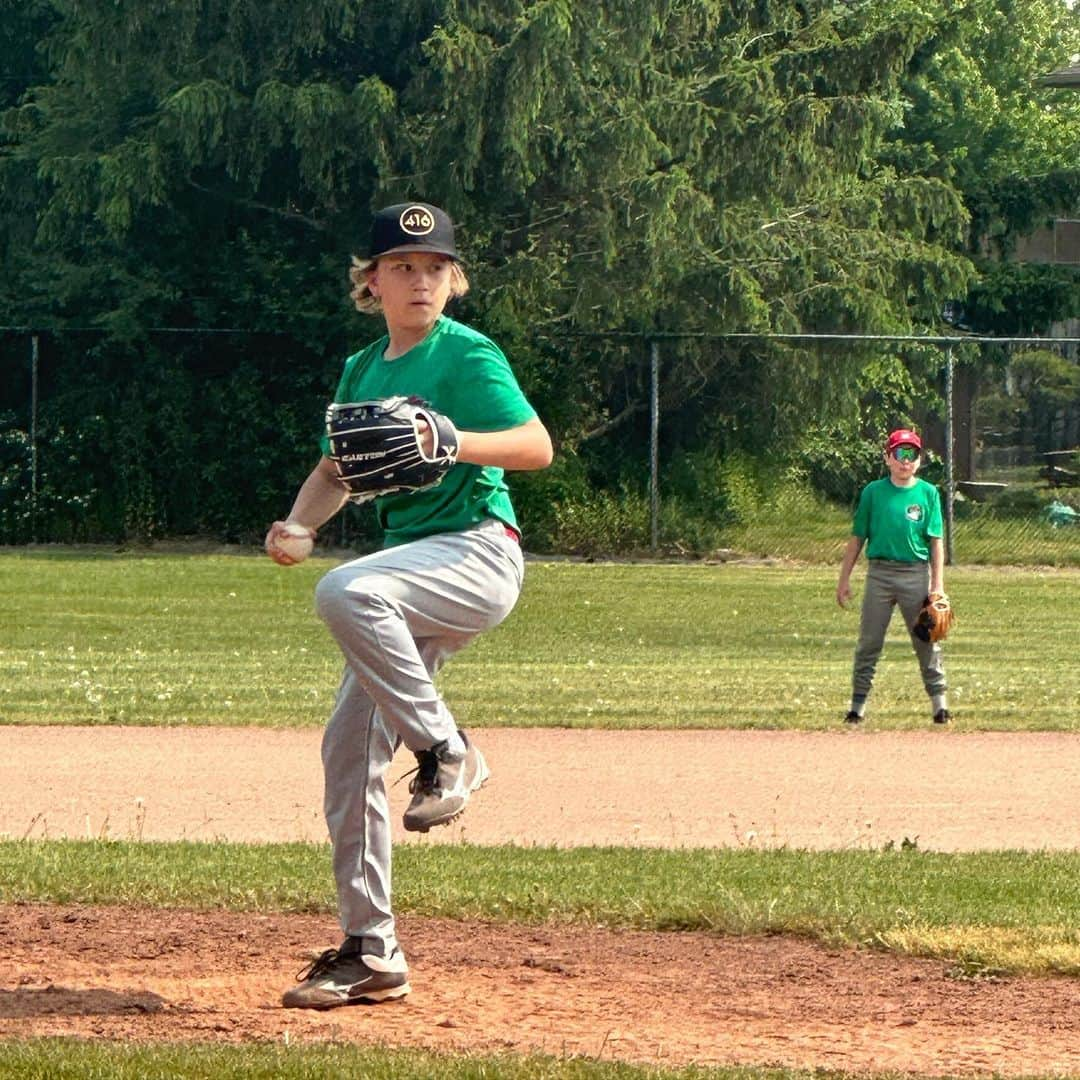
851,555
320,497
937,565
524,447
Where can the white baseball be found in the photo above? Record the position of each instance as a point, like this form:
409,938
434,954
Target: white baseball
295,541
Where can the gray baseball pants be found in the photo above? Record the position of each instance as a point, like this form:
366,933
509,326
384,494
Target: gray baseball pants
398,615
894,584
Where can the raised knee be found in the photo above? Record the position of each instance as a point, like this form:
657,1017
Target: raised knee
340,595
331,596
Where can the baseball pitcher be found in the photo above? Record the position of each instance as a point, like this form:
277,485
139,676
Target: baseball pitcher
423,425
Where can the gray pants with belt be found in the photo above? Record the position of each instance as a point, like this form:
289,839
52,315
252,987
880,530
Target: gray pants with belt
398,615
888,585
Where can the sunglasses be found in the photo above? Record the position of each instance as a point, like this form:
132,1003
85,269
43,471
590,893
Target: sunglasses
906,453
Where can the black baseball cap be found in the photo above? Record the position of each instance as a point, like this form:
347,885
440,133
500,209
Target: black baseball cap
413,226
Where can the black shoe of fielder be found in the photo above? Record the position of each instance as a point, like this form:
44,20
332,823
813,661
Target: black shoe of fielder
442,785
853,718
942,716
346,976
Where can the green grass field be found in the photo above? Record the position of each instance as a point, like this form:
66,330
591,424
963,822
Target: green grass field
59,1059
105,638
150,638
989,911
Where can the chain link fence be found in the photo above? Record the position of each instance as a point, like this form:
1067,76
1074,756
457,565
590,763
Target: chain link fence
183,434
1000,418
209,434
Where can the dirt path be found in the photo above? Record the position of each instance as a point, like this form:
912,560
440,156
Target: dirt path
666,999
954,792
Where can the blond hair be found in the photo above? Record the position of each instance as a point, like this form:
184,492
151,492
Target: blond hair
365,301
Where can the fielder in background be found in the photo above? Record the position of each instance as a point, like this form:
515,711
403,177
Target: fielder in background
899,520
451,567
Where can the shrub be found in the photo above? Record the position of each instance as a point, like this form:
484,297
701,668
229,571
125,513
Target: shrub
604,523
695,481
838,465
537,497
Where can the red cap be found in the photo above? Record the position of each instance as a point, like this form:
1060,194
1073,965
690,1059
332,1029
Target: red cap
903,437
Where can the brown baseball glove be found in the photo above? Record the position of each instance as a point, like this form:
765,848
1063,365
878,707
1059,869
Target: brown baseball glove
935,619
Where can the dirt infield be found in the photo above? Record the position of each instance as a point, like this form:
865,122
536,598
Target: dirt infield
851,788
666,999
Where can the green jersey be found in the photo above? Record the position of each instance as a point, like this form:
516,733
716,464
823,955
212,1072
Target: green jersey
465,376
898,522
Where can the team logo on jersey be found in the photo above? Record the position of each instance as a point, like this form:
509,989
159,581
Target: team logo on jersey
913,512
416,220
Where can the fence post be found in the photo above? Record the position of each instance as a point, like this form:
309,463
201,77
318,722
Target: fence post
654,441
34,347
949,456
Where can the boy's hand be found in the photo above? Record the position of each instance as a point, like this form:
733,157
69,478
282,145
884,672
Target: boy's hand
843,593
425,437
289,542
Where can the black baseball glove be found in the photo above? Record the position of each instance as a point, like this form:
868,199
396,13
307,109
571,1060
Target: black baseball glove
376,446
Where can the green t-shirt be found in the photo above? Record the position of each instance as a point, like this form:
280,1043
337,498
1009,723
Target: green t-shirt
465,376
898,522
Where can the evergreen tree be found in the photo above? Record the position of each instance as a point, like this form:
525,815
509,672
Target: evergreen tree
672,165
624,167
691,167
